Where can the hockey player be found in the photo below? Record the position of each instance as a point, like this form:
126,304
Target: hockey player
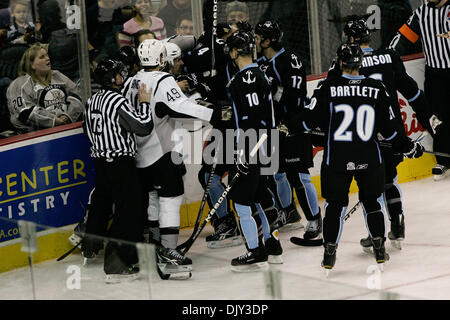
161,168
252,107
352,109
111,124
288,85
387,66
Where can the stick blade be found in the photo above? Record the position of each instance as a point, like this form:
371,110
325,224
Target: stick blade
306,242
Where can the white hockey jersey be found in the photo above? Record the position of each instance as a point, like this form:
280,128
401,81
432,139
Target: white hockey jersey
168,103
34,106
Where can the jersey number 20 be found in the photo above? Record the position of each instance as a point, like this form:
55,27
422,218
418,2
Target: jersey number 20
365,122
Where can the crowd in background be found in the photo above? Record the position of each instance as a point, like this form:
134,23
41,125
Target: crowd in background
112,24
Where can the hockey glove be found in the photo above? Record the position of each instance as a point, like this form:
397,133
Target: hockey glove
283,129
435,124
416,150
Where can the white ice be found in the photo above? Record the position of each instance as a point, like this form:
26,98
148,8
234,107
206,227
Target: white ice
419,271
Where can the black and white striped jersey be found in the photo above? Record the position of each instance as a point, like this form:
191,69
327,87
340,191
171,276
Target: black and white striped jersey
426,23
111,123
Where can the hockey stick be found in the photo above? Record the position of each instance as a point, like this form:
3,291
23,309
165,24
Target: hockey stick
205,196
318,242
222,197
68,252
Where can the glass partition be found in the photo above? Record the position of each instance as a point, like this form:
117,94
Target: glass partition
41,263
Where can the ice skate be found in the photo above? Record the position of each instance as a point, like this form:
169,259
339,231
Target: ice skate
129,274
90,249
329,257
226,233
274,249
380,252
440,172
289,219
366,244
253,260
313,228
171,261
397,233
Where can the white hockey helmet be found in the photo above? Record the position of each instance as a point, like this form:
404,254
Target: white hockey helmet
152,53
173,52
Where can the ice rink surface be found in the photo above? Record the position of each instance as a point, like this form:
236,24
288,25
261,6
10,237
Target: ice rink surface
419,271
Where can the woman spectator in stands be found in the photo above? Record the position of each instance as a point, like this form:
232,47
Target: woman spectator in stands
142,20
41,97
172,11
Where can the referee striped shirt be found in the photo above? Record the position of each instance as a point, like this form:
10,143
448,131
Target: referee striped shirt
111,124
426,23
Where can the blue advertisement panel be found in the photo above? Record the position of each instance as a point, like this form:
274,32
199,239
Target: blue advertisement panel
47,182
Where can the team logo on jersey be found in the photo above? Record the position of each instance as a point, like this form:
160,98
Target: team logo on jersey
350,166
249,79
297,64
53,97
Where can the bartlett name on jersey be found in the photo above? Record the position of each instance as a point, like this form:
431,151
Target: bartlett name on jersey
350,91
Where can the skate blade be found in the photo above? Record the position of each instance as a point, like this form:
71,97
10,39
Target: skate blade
397,244
226,243
381,266
272,259
439,177
292,226
327,272
368,250
180,276
259,266
118,278
172,269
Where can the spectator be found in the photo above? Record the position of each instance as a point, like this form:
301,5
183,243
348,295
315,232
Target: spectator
185,26
142,35
20,25
41,97
142,20
171,12
237,11
62,42
99,20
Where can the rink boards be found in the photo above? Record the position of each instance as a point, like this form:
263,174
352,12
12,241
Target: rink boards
47,176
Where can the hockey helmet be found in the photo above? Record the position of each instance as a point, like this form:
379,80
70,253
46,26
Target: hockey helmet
243,42
358,30
152,53
185,42
173,52
350,54
106,71
269,29
128,56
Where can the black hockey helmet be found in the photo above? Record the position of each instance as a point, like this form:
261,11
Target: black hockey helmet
358,30
128,56
350,54
106,71
243,42
269,29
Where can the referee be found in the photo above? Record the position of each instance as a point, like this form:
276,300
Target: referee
431,23
111,124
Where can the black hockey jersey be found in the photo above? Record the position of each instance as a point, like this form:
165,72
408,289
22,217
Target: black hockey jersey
287,77
352,110
387,66
252,100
